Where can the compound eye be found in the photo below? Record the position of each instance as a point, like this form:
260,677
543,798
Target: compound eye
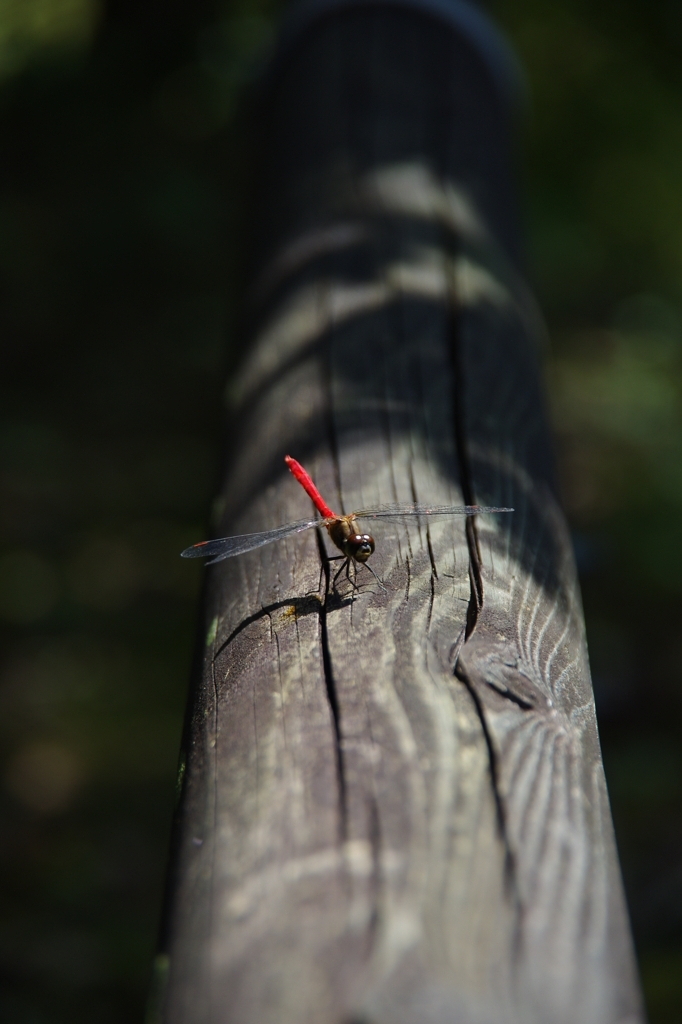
362,546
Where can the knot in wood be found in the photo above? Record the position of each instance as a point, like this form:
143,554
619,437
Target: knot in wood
497,667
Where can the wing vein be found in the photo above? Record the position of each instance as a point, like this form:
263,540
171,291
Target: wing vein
228,547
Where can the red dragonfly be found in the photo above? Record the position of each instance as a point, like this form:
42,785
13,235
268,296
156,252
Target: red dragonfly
354,546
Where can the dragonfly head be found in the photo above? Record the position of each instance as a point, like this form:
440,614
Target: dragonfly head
359,546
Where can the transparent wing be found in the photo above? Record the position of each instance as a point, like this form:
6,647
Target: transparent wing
227,547
396,511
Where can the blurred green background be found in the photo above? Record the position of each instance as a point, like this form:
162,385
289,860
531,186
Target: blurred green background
118,195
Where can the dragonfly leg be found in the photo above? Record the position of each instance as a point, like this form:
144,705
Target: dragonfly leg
367,566
344,565
353,582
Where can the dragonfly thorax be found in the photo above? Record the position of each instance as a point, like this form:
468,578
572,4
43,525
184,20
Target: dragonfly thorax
358,546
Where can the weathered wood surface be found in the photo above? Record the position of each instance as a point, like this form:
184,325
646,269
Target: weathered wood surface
393,805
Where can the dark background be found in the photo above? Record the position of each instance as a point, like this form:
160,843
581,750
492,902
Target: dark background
119,193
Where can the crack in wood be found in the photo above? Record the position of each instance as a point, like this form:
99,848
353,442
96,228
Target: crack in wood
374,832
332,695
475,574
310,604
327,377
432,559
474,609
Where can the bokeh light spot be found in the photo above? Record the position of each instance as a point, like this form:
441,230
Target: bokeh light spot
30,27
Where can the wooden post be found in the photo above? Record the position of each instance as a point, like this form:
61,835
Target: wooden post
393,804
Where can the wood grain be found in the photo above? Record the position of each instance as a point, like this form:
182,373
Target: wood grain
393,805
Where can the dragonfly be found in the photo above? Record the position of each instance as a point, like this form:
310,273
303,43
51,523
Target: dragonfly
355,547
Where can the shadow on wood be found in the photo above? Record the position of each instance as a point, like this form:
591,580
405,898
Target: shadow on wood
393,807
